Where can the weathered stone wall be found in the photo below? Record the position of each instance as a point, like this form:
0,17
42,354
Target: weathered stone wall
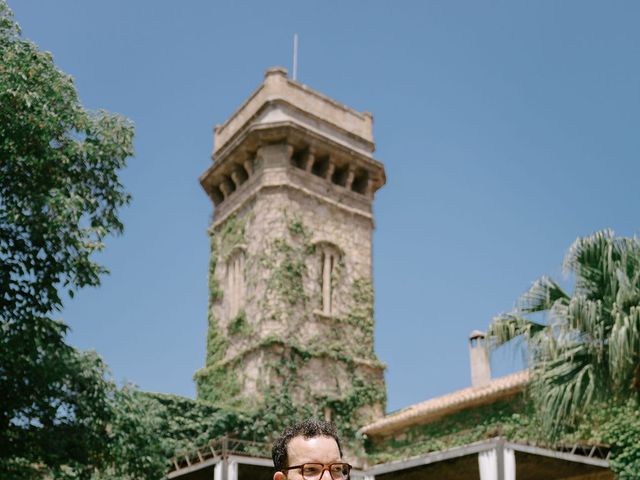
281,334
290,288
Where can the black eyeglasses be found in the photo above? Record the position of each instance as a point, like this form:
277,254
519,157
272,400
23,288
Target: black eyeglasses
314,471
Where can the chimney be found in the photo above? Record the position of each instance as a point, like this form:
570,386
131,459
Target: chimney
480,367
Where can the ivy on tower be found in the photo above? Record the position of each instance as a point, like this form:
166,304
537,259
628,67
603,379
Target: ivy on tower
290,276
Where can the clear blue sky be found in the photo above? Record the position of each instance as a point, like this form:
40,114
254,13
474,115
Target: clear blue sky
507,129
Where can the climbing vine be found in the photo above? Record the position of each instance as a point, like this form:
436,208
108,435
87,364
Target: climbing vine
150,428
280,402
239,324
221,412
615,425
287,263
216,342
509,418
231,234
287,300
182,424
360,316
215,383
288,272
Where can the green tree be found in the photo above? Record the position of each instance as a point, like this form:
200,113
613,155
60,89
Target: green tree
59,197
586,352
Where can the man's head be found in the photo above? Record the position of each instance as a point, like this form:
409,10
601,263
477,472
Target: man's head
310,441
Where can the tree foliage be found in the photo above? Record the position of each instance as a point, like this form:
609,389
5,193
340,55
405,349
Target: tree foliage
587,352
147,430
59,198
60,190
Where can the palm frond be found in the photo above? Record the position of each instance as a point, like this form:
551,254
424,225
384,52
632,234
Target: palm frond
541,296
624,349
593,260
585,319
589,349
589,250
628,275
509,326
562,385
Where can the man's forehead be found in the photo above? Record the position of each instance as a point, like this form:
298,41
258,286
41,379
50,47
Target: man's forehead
312,449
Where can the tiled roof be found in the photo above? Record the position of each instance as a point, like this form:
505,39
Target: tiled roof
449,403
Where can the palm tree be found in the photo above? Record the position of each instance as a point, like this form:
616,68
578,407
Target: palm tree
587,349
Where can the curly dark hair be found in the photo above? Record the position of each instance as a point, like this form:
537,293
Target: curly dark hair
309,428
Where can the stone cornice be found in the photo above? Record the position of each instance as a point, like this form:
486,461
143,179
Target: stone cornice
260,347
253,136
256,184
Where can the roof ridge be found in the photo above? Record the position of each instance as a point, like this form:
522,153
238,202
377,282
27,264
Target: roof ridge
454,400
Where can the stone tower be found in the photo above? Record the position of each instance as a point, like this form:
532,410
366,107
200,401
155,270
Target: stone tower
291,297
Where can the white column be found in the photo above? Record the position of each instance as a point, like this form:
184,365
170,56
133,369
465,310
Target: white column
509,464
232,473
490,469
217,471
488,463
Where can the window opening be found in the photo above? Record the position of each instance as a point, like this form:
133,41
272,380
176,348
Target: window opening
360,182
321,166
235,279
329,259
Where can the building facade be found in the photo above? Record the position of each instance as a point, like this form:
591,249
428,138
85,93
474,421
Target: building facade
291,310
291,296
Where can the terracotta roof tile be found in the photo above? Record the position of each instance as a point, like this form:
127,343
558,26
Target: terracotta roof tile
424,411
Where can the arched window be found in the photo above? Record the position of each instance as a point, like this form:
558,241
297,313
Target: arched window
329,259
235,281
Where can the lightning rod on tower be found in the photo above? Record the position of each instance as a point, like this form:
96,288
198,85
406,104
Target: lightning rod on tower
295,56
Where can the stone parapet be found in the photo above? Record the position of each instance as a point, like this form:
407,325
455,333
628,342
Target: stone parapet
310,107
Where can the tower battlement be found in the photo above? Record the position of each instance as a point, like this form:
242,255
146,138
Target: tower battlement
301,104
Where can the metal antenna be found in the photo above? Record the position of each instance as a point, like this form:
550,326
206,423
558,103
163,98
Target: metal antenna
295,56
